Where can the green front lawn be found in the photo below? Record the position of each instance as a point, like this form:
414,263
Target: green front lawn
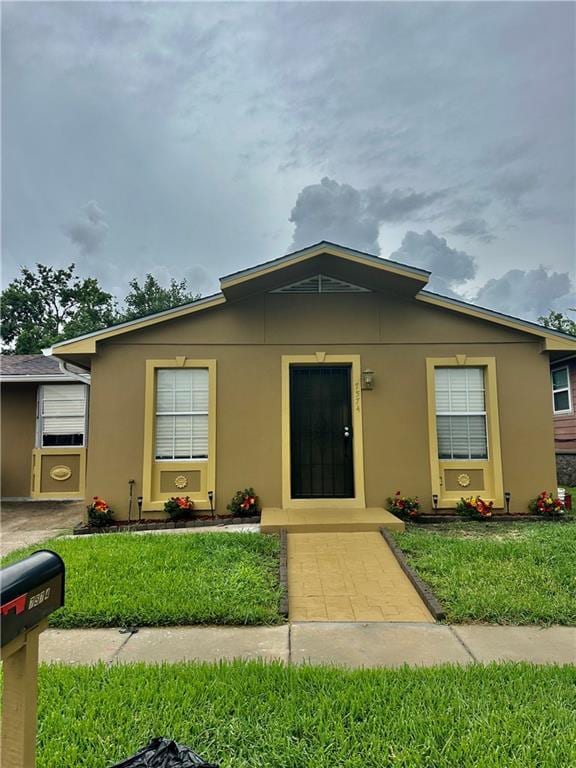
151,580
500,573
250,715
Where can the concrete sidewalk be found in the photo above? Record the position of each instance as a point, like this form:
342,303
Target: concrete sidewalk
349,644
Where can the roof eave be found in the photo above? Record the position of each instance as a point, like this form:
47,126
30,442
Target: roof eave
86,344
33,378
553,340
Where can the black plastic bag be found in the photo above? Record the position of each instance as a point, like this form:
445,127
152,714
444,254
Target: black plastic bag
164,753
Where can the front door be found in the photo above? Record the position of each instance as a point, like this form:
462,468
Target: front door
321,437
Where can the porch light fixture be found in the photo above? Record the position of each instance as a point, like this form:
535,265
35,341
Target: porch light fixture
211,499
139,500
435,501
507,496
367,379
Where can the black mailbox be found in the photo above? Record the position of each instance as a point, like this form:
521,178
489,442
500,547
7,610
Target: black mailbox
30,590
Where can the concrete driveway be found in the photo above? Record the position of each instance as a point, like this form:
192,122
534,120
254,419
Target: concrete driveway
30,522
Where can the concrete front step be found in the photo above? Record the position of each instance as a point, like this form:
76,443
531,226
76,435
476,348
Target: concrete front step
328,520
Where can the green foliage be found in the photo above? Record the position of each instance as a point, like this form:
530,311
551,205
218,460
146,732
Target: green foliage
46,305
474,506
252,715
244,503
151,297
559,322
179,507
403,506
500,573
120,579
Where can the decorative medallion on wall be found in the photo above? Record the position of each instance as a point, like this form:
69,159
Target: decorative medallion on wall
463,480
61,472
180,481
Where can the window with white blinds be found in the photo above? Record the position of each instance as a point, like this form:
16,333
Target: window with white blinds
181,414
461,413
62,415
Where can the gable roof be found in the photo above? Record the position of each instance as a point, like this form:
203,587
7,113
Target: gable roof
268,277
33,368
324,246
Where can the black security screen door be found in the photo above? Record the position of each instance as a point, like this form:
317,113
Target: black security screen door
321,432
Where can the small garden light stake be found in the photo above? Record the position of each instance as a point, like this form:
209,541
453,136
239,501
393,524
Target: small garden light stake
507,496
211,500
435,501
130,494
140,500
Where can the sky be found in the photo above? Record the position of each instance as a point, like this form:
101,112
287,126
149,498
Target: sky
191,140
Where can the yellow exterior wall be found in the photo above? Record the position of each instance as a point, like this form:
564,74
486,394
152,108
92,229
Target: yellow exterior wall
18,437
247,339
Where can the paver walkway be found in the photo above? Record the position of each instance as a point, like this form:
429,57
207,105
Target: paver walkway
348,577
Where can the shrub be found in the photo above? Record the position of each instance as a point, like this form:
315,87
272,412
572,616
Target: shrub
546,504
403,505
179,507
475,507
99,513
244,503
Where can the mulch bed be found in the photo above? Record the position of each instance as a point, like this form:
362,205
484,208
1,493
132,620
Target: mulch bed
154,525
519,518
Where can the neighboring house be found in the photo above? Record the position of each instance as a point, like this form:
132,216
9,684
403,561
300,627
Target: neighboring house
327,378
44,428
563,372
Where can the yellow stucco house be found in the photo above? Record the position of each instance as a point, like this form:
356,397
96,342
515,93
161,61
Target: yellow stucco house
326,378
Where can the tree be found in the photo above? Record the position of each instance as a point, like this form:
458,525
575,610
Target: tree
47,305
559,322
151,297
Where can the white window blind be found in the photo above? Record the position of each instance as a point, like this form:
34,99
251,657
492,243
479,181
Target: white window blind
62,412
561,390
181,414
461,413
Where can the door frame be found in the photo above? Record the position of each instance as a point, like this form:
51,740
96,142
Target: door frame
320,358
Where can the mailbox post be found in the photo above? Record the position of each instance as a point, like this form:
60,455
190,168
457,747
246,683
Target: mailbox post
30,590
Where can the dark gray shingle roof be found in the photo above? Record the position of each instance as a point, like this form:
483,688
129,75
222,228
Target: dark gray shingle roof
29,365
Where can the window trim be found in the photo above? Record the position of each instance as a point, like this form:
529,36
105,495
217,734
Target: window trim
40,417
153,500
567,388
492,465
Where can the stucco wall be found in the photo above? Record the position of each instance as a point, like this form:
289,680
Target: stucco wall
393,336
18,437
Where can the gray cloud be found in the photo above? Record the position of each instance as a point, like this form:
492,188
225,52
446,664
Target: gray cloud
527,293
89,231
450,268
514,185
473,228
352,217
178,117
518,292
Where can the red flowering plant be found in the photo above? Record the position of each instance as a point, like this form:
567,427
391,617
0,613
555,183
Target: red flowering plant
404,506
99,513
475,507
179,507
546,504
244,503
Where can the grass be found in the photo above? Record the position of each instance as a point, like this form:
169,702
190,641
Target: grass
127,579
500,573
251,715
